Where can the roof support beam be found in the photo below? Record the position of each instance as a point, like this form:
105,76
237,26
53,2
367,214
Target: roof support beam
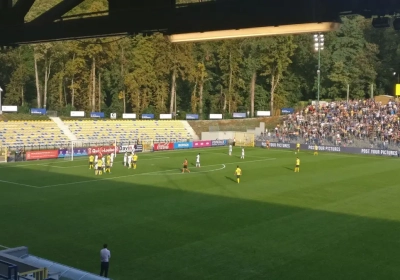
21,8
56,12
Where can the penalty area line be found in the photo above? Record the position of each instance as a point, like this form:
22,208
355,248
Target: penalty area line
18,184
147,173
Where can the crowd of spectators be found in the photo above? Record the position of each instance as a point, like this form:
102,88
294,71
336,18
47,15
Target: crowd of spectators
361,123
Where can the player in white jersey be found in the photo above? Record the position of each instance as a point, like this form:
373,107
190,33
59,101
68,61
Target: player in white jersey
230,149
242,156
125,159
130,161
96,166
103,159
198,160
96,158
112,159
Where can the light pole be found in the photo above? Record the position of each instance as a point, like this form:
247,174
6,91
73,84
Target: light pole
1,111
319,46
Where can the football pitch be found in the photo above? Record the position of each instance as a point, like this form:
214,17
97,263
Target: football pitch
339,218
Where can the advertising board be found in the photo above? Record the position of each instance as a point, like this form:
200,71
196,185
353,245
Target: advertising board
263,113
192,116
287,111
129,116
165,116
147,116
333,149
239,115
77,113
113,116
9,108
129,148
183,145
97,115
202,144
78,152
216,143
163,146
102,150
38,111
215,116
44,154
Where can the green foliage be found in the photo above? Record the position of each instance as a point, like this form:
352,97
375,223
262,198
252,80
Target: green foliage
142,73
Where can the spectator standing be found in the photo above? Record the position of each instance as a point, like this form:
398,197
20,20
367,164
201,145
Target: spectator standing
105,256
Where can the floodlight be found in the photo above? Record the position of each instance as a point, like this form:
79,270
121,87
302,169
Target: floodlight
254,32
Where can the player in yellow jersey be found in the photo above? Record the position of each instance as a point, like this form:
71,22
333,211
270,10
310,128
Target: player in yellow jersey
297,168
238,173
134,159
108,164
99,170
108,158
315,150
91,160
297,148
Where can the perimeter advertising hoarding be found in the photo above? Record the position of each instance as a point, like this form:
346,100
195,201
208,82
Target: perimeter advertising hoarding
202,144
102,149
239,115
129,148
216,143
163,146
192,116
78,152
97,115
183,145
147,116
44,154
38,111
334,149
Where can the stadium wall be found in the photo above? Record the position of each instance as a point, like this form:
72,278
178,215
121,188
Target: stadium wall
332,149
213,135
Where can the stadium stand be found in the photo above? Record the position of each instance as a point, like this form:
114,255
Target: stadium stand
29,265
361,123
16,134
127,130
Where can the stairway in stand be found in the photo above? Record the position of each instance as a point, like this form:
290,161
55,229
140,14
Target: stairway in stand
64,128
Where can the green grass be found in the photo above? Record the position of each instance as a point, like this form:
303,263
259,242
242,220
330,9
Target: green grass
336,219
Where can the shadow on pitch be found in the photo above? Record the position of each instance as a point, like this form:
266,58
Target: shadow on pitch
230,179
160,224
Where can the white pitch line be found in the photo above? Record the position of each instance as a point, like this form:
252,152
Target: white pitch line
5,247
18,184
147,173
